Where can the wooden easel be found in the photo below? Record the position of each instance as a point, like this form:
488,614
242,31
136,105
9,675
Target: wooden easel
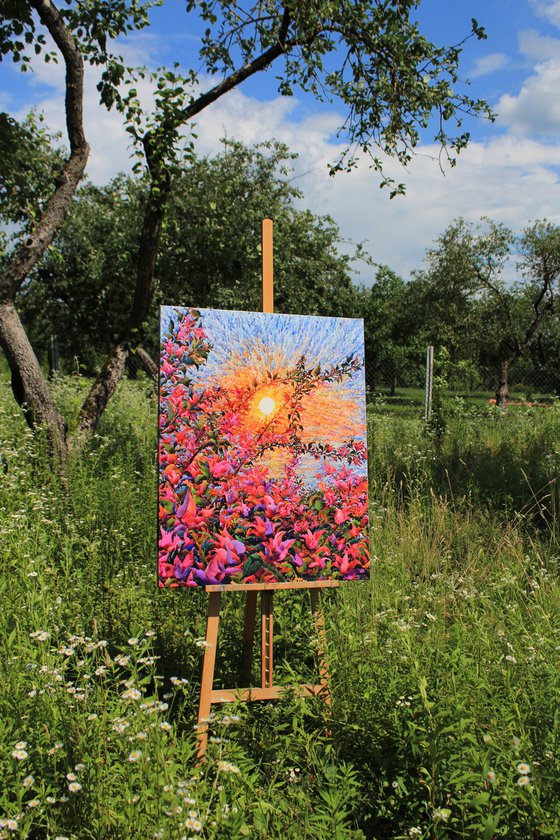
267,689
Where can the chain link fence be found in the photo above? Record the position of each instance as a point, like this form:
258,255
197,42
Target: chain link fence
407,388
403,383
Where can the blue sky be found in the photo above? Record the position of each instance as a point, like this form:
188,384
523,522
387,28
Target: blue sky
509,172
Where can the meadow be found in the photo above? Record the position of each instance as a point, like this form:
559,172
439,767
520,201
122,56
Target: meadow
445,715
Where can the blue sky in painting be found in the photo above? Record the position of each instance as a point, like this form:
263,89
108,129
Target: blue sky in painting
266,343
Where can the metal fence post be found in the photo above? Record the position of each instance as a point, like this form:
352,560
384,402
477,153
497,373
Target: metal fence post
53,355
429,382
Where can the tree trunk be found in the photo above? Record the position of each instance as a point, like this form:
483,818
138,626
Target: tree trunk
502,392
106,383
103,389
30,388
147,363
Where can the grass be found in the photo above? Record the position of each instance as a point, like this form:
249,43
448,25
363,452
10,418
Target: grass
445,718
409,402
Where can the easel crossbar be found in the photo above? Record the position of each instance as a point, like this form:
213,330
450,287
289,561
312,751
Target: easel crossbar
272,692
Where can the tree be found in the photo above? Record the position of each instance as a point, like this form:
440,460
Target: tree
371,57
208,255
386,329
473,260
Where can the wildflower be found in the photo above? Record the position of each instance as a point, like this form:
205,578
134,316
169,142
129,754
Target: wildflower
20,755
132,694
28,781
510,658
442,814
228,767
141,736
40,635
165,726
415,831
119,726
133,641
135,755
202,643
193,824
523,768
11,825
100,671
66,651
21,745
34,803
122,659
74,787
491,776
71,777
91,717
523,781
50,800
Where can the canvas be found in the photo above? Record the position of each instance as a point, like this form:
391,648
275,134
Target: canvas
262,449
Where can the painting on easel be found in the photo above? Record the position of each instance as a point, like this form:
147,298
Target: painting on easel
262,449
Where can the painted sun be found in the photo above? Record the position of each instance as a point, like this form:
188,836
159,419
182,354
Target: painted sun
267,406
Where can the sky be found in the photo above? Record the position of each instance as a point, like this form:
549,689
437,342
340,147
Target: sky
509,172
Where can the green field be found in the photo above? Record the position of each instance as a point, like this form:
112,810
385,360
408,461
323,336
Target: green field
445,716
409,402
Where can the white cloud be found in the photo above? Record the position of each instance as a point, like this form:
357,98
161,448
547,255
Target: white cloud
488,64
535,110
537,47
548,9
512,178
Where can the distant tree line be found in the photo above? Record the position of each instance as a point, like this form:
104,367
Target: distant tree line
484,294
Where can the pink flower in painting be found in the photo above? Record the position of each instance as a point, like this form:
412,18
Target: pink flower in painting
341,515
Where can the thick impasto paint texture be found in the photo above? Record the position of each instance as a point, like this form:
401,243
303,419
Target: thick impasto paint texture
262,449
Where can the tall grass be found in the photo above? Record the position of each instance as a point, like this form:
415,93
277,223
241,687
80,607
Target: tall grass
444,668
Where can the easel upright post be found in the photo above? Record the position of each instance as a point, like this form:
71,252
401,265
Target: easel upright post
267,242
208,666
267,273
267,690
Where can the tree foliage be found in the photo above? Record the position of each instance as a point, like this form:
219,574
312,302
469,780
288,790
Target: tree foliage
492,292
209,252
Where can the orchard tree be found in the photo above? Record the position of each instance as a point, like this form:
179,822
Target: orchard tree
370,58
209,252
385,328
509,315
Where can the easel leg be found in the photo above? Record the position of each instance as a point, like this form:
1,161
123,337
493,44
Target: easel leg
267,639
208,666
324,678
248,637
